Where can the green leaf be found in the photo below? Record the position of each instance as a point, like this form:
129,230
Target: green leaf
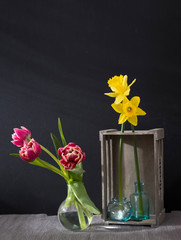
41,163
61,133
74,176
77,171
82,196
56,144
78,168
37,163
15,154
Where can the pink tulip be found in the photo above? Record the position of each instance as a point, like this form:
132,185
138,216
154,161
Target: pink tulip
20,135
30,151
71,156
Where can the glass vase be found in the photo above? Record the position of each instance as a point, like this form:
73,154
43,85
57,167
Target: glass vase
119,210
72,215
140,203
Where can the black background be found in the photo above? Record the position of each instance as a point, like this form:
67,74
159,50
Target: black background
55,60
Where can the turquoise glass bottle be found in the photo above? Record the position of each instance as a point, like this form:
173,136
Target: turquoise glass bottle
119,210
140,203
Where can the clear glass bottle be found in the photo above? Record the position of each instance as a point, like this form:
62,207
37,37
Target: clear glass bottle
140,203
71,214
68,216
119,210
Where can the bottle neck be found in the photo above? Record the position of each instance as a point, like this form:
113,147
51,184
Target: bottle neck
70,196
139,187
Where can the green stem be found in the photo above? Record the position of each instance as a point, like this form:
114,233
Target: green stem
87,213
137,171
81,217
51,168
136,158
70,196
50,154
120,164
56,160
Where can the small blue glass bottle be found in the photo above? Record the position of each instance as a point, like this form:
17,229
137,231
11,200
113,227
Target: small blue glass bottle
119,210
140,203
114,200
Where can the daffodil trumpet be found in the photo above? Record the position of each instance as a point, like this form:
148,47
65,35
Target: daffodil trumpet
129,110
120,88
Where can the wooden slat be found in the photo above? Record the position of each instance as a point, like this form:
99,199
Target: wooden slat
104,176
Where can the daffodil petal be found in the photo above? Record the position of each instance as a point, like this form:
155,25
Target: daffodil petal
126,93
113,88
122,118
119,99
125,78
132,82
117,107
135,101
133,120
125,100
111,94
140,112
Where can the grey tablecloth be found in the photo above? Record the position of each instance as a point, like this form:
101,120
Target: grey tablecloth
43,227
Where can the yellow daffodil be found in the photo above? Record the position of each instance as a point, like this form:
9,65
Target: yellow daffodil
129,110
120,88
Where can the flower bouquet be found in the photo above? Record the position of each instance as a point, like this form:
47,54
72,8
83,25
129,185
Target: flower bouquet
75,213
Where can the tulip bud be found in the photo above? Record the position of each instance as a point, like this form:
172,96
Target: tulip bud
20,135
30,151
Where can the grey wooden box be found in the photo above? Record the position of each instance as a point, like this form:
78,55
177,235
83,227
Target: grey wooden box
150,156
